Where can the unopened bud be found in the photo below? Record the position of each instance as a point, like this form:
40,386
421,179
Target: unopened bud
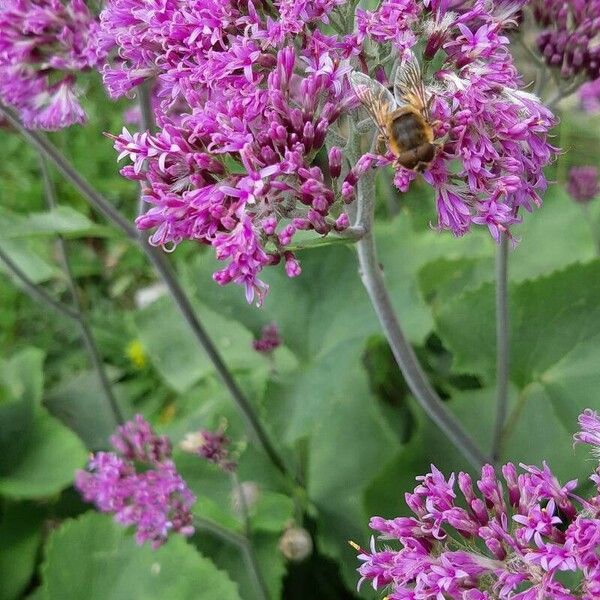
296,544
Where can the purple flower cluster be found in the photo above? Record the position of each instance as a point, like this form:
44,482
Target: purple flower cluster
589,94
269,339
139,484
568,40
493,134
254,107
584,184
514,540
213,446
235,169
43,45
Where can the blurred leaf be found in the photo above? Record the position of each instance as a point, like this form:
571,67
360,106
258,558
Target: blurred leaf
46,462
20,395
272,512
33,266
80,403
61,220
113,566
21,536
545,246
231,559
176,353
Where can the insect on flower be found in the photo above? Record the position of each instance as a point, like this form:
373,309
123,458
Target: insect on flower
403,117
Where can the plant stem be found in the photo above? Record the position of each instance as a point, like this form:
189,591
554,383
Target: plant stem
163,268
372,278
253,565
242,542
148,123
35,291
502,344
86,330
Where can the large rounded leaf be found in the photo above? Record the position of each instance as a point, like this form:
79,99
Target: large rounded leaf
94,558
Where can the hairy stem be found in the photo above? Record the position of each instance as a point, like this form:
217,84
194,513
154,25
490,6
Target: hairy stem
80,317
502,344
148,123
253,565
372,278
163,269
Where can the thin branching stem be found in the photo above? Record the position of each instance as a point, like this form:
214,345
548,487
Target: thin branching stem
253,565
372,278
242,543
35,291
81,318
502,344
164,270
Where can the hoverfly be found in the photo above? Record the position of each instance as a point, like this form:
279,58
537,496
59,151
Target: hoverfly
403,117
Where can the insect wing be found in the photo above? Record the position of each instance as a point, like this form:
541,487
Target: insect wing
377,99
408,85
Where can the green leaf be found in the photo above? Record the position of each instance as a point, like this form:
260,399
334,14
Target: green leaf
348,448
176,353
46,462
231,559
21,535
28,260
549,318
80,403
21,383
552,237
272,512
113,566
61,220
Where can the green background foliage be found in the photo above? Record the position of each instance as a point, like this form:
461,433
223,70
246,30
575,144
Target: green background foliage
331,396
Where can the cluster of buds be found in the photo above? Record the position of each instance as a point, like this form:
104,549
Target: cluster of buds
568,40
43,46
514,540
269,340
139,484
213,446
583,185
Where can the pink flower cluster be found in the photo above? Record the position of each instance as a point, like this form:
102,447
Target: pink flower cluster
235,169
44,44
139,484
251,94
493,134
514,540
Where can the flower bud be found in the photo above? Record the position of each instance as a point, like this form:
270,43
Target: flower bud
296,544
583,185
335,162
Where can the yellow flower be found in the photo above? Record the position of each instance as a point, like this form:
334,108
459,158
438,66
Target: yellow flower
136,353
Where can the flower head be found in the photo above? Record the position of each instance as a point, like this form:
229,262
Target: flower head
212,446
584,184
253,106
155,499
269,339
44,44
510,542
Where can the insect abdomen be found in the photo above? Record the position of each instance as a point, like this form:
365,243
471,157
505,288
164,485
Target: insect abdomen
408,131
417,158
